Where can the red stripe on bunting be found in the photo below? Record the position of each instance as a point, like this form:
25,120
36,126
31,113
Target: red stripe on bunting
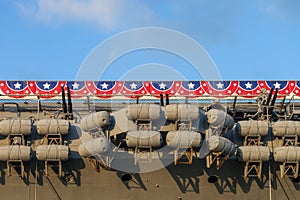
248,89
78,89
220,88
104,89
46,89
284,87
191,88
297,88
132,89
15,89
162,87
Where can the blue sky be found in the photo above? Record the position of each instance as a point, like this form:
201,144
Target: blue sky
248,40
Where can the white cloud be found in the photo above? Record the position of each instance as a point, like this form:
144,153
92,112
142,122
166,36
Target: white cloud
201,19
285,9
107,14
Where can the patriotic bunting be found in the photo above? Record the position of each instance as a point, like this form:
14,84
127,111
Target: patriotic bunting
220,88
46,89
191,88
248,88
104,89
284,87
15,89
131,89
162,87
77,88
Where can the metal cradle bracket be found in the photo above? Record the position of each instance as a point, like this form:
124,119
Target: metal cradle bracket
253,169
252,140
53,163
216,158
188,154
15,164
289,169
142,151
290,140
97,163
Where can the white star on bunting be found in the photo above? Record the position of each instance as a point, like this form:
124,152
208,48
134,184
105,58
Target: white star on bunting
17,85
104,85
162,86
133,86
75,86
248,85
46,85
277,85
191,85
220,85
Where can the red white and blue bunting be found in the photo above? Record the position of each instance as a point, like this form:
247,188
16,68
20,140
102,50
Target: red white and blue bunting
104,89
191,88
284,87
162,87
220,88
15,88
46,89
131,89
248,88
77,89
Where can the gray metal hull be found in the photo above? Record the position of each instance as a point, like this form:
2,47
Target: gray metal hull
172,182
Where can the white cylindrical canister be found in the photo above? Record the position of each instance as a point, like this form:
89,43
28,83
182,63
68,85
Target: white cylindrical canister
143,139
52,152
287,154
143,112
219,118
15,126
94,147
220,144
253,153
183,139
177,112
15,152
53,126
252,127
98,119
283,128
